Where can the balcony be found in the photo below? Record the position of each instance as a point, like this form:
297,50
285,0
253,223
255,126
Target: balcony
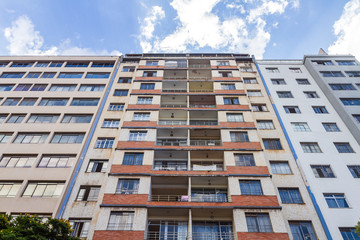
201,87
172,122
172,117
207,161
175,64
175,74
174,86
207,166
209,189
202,101
169,189
173,101
205,142
170,166
170,161
200,74
208,118
205,137
199,63
171,142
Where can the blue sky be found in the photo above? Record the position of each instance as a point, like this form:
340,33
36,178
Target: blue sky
269,29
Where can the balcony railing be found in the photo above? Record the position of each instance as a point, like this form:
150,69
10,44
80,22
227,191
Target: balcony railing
203,122
201,90
200,78
196,197
213,236
174,90
185,236
207,167
170,166
172,122
205,143
175,65
169,105
166,235
199,66
175,77
169,198
171,142
198,105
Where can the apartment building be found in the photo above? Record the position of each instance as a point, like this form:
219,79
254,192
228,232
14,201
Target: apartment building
47,109
188,146
323,143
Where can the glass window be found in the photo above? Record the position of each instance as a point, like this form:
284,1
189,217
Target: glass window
56,64
3,64
128,69
5,137
250,81
48,75
147,86
295,70
28,102
331,127
231,101
43,190
272,70
290,195
127,186
80,227
77,64
346,63
111,123
9,189
319,109
23,87
303,81
67,138
97,75
310,147
88,193
22,64
3,117
225,74
228,86
53,102
332,74
16,118
278,81
300,127
55,161
104,142
350,101
244,159
292,109
33,75
357,117
16,161
250,187
152,63
133,159
91,88
77,118
322,171
272,144
280,167
259,108
265,124
239,137
70,75
342,86
119,92
39,87
323,62
62,87
343,147
284,94
43,118
42,64
6,87
336,200
349,233
12,75
254,93
101,65
144,100
137,136
223,63
116,107
120,221
234,117
355,170
246,69
149,74
140,116
11,101
302,231
97,166
353,73
258,222
124,80
84,102
311,94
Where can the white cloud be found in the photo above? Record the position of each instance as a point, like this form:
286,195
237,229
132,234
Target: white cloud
25,40
199,27
346,29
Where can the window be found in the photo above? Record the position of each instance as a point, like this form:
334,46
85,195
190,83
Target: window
9,189
310,147
23,87
56,64
251,187
331,127
97,166
3,117
311,95
355,171
104,143
265,124
225,74
346,63
53,102
43,190
80,227
302,231
22,64
128,69
284,94
39,87
56,161
322,171
127,186
231,101
343,147
280,167
246,69
31,138
6,87
138,116
97,75
152,63
147,86
124,80
353,73
48,75
84,102
121,221
149,74
5,137
28,102
290,195
16,161
101,65
228,86
272,70
259,108
43,118
119,92
3,64
88,193
319,109
133,159
62,87
342,86
16,118
258,222
11,101
76,64
116,107
254,93
137,136
70,75
300,127
357,117
332,74
223,63
12,75
349,234
336,200
278,81
91,88
303,81
323,62
111,123
272,144
144,100
33,75
42,64
295,70
77,118
350,101
250,81
234,117
292,109
67,138
244,159
239,137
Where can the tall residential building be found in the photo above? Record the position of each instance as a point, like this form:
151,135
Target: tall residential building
47,109
320,130
188,146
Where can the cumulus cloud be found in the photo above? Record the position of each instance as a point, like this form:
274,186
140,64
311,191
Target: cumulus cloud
199,27
25,40
346,29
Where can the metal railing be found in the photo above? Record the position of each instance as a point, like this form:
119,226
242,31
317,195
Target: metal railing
201,90
199,66
170,167
205,143
200,78
202,105
175,77
174,90
172,122
175,65
213,236
166,235
203,122
207,167
186,236
209,197
173,105
171,142
169,198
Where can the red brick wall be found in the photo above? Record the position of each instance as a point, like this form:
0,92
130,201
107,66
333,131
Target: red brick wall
237,124
239,107
143,106
262,236
140,124
224,67
227,78
243,145
125,199
130,169
118,235
146,91
234,92
148,78
245,200
247,170
149,67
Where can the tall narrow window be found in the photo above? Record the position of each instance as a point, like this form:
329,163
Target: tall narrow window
80,227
